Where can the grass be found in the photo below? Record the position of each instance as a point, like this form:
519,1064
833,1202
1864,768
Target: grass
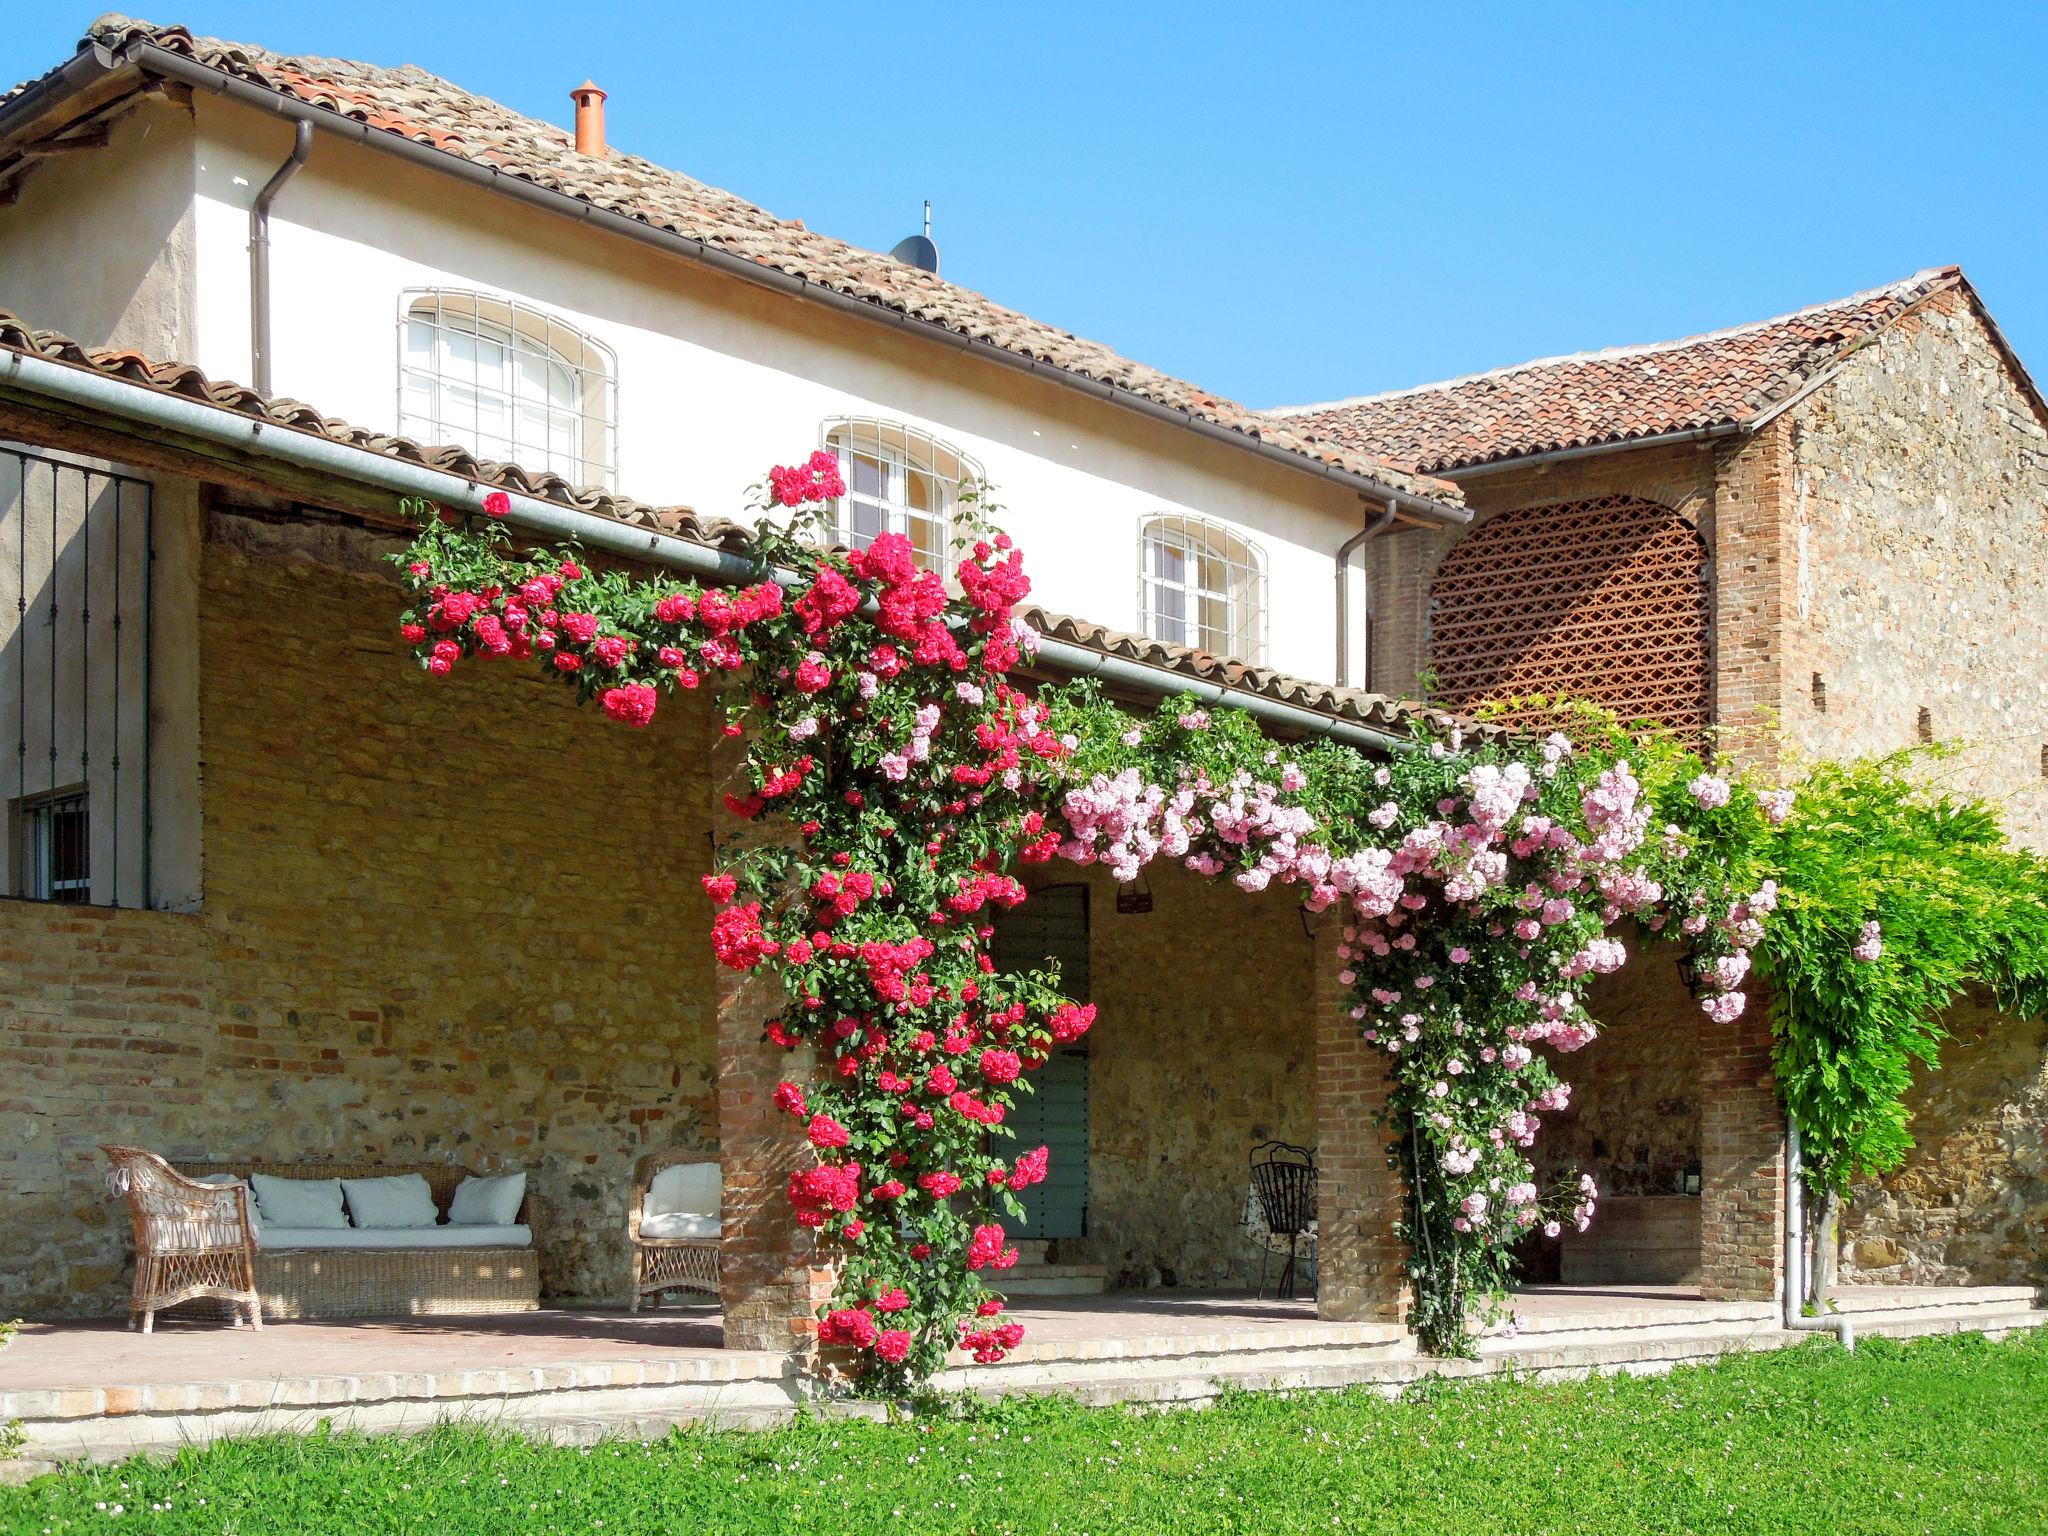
1942,1435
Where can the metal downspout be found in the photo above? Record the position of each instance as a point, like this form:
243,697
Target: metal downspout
1357,541
259,256
174,414
1793,1293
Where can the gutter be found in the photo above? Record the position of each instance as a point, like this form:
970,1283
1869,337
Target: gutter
259,258
1793,1290
88,388
152,59
1587,450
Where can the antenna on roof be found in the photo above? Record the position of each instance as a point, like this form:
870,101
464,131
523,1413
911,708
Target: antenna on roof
918,250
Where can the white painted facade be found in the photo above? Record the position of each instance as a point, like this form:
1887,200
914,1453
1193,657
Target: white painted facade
715,379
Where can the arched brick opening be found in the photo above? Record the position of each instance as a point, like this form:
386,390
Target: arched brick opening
1604,600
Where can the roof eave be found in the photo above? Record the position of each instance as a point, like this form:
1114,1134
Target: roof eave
151,59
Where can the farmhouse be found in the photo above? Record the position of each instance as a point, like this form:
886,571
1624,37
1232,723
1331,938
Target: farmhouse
276,899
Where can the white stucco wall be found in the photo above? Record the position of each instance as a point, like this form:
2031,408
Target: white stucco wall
99,244
718,379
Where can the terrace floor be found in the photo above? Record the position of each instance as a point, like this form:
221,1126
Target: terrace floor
94,1388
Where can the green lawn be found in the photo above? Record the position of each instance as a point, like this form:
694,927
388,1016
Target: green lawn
1943,1435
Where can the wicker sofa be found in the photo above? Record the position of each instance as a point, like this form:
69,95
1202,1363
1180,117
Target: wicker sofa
489,1270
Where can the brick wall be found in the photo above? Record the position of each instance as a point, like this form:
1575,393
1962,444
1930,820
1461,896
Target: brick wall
442,920
1742,1159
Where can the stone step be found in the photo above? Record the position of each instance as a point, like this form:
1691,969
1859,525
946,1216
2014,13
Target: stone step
1880,1298
1040,1279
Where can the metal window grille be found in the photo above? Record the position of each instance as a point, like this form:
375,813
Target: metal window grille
898,480
75,552
1202,585
509,382
56,849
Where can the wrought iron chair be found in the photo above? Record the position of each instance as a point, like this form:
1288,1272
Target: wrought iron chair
1282,1217
192,1240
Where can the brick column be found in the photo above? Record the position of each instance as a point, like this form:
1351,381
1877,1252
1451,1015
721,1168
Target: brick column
1754,577
1742,1159
772,1276
1360,1272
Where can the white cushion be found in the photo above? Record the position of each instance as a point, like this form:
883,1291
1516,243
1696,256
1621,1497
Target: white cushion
487,1202
231,1179
397,1237
397,1200
679,1224
693,1189
299,1202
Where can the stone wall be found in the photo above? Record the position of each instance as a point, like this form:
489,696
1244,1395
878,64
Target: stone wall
1970,1204
1634,1118
442,920
1919,517
1203,1048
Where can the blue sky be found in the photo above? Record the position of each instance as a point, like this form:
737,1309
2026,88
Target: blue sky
1300,203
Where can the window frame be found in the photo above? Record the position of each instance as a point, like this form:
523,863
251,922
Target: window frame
36,844
523,331
907,451
1243,593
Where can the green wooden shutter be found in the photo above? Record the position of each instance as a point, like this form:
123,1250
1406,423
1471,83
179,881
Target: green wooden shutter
1056,1115
1051,926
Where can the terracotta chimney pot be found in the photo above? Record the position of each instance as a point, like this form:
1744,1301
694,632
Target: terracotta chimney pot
589,118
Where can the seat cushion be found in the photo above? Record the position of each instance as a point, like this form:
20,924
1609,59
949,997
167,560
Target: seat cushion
276,1238
679,1224
255,1205
299,1202
397,1200
487,1202
694,1189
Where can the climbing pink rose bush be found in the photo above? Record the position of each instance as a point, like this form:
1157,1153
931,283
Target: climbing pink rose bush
1478,882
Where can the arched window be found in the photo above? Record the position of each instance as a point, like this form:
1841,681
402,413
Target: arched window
508,382
898,480
1201,584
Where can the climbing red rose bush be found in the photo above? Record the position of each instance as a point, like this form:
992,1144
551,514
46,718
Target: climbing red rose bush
889,783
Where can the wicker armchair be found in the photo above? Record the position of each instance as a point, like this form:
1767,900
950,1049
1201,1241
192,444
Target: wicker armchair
192,1240
663,1263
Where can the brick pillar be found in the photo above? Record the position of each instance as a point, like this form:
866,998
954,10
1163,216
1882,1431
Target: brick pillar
772,1276
1360,1263
1754,579
1742,1159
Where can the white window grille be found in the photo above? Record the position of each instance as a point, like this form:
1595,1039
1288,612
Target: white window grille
1203,585
898,480
56,848
508,382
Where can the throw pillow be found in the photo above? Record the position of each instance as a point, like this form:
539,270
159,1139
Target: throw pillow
397,1200
487,1201
299,1202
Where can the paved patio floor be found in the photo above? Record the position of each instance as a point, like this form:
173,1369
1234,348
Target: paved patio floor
101,1353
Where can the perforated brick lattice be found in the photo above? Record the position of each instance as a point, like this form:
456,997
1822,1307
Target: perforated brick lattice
1602,600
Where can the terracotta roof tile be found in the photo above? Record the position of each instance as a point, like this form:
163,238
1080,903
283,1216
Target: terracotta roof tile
1717,379
414,104
183,379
